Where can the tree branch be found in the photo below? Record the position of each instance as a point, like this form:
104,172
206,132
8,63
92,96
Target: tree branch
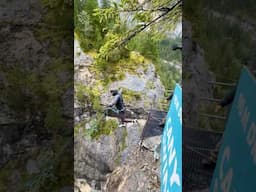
166,11
145,10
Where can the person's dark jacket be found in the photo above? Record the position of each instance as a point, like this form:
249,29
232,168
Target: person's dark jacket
118,101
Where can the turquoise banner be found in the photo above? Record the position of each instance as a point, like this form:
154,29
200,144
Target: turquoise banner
171,146
236,166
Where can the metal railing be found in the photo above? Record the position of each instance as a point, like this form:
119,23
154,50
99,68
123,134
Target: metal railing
222,84
210,99
213,116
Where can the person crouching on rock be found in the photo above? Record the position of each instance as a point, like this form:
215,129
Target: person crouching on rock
117,105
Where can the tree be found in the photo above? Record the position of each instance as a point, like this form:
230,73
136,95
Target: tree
110,27
158,16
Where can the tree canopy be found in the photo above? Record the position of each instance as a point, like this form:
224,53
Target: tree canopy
109,27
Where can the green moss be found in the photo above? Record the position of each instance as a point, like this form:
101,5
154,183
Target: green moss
122,146
79,126
123,143
130,96
99,126
150,85
136,58
118,159
89,97
92,53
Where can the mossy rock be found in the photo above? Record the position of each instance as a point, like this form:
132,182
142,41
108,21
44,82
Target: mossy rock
130,95
99,126
92,53
136,57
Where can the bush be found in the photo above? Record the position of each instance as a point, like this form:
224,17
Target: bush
88,97
146,44
99,126
130,96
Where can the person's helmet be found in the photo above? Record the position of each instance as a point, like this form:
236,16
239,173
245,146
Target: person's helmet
114,92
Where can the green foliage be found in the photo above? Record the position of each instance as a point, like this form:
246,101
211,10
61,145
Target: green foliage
53,119
122,146
150,85
130,95
169,75
123,143
169,67
89,97
136,58
166,51
89,27
99,126
240,9
108,32
57,23
105,52
147,44
226,44
84,23
233,47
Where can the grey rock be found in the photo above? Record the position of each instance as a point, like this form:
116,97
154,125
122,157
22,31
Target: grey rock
32,167
151,142
68,103
14,179
196,85
20,12
93,159
114,160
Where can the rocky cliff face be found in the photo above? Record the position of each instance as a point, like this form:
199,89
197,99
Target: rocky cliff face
22,130
18,45
114,162
196,76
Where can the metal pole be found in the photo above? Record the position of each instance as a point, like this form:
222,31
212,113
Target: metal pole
204,129
222,84
213,116
210,99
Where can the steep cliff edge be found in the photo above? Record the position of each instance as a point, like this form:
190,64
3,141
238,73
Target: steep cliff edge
112,161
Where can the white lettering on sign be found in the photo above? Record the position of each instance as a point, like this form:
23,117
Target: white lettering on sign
175,178
251,140
176,102
226,183
165,180
241,104
178,108
253,152
225,156
224,177
180,115
250,133
170,162
172,151
245,118
243,111
216,185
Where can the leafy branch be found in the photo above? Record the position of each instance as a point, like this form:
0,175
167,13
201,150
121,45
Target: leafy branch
144,26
